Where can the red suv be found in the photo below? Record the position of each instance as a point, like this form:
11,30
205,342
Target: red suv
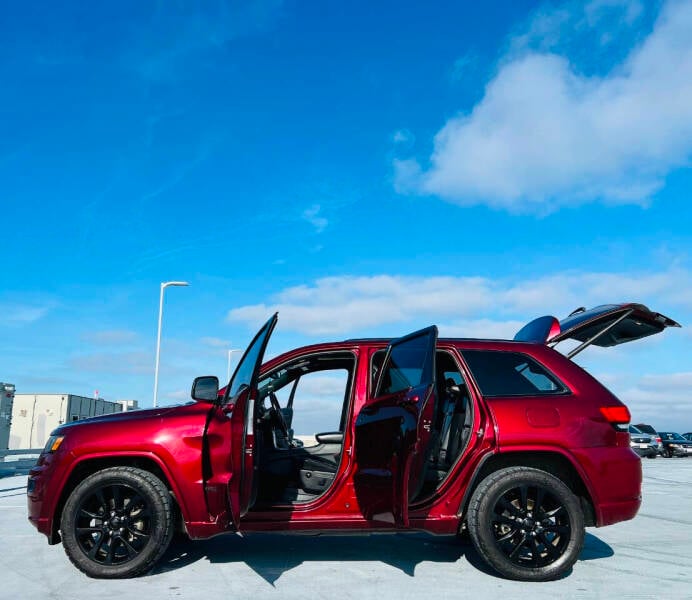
509,439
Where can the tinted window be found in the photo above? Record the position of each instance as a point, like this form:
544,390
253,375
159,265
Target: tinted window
446,368
510,374
410,364
247,371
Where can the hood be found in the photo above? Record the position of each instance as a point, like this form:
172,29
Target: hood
122,417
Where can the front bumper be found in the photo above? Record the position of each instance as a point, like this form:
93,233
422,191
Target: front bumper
679,451
40,497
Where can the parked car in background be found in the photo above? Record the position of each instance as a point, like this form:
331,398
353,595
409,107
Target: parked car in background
643,443
688,436
645,428
674,444
508,438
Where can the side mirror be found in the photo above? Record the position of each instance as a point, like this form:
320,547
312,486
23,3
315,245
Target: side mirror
205,388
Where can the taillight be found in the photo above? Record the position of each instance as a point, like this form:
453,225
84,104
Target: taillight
619,418
617,415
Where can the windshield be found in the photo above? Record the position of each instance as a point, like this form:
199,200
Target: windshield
247,371
669,436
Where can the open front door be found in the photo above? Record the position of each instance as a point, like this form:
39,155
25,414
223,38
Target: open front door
228,459
394,429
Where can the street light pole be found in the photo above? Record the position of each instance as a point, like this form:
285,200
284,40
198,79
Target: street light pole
164,285
228,371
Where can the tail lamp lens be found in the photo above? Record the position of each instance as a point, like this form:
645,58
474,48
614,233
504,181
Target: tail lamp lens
617,415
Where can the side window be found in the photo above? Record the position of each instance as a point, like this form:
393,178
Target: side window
409,365
500,373
313,392
318,401
447,368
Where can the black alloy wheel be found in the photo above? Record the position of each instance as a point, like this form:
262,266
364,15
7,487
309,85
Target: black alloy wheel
526,523
117,522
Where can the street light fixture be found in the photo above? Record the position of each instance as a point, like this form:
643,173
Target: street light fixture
228,371
164,285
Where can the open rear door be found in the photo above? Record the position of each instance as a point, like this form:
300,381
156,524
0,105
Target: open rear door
228,457
606,325
394,429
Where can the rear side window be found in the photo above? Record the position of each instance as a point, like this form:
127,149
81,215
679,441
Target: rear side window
499,373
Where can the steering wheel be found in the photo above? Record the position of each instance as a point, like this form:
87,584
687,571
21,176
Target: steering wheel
278,415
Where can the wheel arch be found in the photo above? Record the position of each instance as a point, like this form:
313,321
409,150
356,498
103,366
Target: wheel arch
92,464
551,461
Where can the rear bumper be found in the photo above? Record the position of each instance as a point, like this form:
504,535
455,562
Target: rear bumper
615,512
615,482
646,452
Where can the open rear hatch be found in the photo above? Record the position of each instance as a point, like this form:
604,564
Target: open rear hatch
605,325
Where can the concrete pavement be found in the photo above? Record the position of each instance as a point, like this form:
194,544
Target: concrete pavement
649,557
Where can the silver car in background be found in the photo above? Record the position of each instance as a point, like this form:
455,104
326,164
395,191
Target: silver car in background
642,443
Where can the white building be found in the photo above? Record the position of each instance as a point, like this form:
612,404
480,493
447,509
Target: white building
128,404
34,416
6,401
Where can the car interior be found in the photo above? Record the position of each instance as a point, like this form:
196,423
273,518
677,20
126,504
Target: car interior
453,421
295,469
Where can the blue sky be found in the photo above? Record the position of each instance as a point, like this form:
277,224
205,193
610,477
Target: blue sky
366,168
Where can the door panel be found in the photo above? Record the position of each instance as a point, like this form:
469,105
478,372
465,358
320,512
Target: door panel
229,449
393,430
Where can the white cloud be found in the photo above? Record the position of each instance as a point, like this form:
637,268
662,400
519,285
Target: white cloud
481,328
680,382
122,363
178,395
628,10
566,28
403,137
19,314
110,337
346,304
661,400
163,46
312,216
545,135
214,342
462,66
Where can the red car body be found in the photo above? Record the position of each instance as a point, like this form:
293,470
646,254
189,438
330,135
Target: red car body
206,453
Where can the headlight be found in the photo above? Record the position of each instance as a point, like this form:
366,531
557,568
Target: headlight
674,445
53,443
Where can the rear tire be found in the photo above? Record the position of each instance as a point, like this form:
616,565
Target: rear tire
117,523
526,523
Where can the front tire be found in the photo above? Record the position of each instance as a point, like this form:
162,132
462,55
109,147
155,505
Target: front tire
526,523
117,523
